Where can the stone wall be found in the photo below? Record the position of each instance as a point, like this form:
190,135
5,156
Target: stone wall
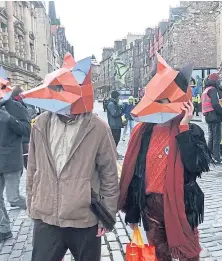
191,37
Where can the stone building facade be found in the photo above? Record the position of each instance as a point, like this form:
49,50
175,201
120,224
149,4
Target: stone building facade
218,13
31,44
47,55
62,44
17,41
192,33
190,36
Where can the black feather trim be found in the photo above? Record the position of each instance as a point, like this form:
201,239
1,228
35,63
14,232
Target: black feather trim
194,204
204,156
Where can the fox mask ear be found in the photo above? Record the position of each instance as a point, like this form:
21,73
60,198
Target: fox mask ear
69,61
184,76
159,64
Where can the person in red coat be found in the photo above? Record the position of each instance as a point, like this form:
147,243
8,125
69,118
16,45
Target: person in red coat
165,155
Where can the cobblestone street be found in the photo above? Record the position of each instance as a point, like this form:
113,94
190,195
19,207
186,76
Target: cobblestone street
114,244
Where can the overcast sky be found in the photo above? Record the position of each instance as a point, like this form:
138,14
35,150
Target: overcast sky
94,24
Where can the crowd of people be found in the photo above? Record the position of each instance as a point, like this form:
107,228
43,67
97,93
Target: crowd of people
73,193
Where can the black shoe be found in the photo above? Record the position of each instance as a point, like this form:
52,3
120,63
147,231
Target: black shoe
5,236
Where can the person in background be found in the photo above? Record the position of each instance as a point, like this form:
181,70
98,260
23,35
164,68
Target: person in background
15,125
114,115
16,96
199,83
105,103
212,111
196,98
126,111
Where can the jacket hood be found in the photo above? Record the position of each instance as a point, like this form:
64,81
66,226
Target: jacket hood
209,83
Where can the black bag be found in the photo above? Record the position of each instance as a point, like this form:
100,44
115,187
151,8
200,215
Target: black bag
101,212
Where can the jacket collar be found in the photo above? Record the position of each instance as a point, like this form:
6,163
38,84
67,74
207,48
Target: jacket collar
43,125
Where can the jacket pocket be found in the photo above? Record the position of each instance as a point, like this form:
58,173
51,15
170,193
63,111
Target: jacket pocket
75,199
15,154
42,194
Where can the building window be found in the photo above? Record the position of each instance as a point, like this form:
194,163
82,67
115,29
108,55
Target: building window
20,11
26,86
6,59
19,63
197,73
4,27
50,68
15,12
213,71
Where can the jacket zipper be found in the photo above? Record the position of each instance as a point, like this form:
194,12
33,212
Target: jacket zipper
57,184
57,179
57,205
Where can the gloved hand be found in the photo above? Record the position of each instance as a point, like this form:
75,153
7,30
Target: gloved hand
4,116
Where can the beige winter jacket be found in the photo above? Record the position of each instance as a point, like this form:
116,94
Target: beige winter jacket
64,200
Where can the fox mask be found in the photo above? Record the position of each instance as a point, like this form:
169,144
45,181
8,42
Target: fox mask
66,91
166,85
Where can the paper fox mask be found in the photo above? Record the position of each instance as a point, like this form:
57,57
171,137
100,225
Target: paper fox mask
166,85
5,89
66,91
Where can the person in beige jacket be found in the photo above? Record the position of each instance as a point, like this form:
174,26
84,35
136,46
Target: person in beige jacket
69,156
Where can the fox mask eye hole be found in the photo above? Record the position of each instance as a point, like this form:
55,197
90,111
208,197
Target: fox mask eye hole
166,100
56,88
3,87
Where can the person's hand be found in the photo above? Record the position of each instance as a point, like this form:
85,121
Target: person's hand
188,110
101,232
132,226
4,116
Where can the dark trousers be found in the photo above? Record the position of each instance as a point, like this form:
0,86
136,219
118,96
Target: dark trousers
153,221
196,108
50,243
116,135
214,130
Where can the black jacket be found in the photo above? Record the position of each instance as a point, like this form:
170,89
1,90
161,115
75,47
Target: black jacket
11,135
214,116
114,114
196,159
25,139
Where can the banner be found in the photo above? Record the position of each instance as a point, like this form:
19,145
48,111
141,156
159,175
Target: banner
120,69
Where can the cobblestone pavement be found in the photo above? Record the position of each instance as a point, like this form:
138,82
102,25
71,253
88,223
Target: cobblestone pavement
114,244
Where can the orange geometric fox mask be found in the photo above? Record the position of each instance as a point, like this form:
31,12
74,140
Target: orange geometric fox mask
66,91
165,84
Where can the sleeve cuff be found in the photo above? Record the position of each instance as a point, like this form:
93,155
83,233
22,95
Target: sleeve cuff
183,128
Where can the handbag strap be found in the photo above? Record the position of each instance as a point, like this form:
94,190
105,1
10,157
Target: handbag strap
137,237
